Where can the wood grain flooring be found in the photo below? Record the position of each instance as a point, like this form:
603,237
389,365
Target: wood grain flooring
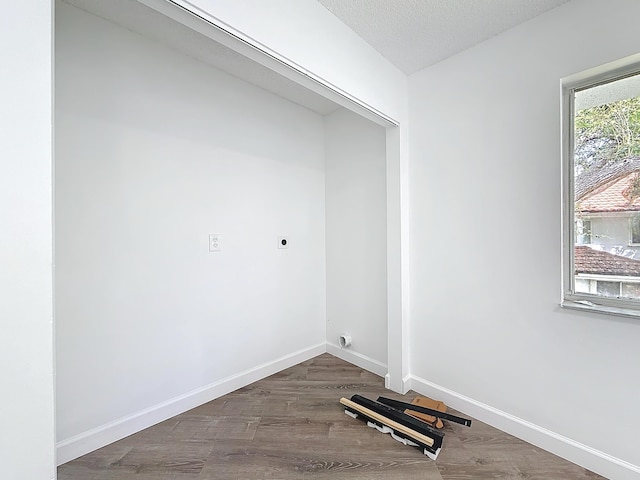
292,426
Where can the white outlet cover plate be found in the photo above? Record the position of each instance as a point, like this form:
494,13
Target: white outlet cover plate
214,242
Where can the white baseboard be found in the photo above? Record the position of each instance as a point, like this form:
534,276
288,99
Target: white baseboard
407,381
98,437
583,455
357,359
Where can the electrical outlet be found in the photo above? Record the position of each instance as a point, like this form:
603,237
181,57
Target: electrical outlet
283,242
214,242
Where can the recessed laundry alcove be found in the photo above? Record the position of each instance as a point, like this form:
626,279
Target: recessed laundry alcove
164,136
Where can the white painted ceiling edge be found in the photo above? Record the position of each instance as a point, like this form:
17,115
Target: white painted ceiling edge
146,21
189,30
304,35
410,34
414,34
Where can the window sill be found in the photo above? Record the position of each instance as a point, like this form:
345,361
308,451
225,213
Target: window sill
595,308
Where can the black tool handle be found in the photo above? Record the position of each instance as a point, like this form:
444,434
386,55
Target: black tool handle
417,408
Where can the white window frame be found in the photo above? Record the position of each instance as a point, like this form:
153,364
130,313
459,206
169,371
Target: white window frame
570,298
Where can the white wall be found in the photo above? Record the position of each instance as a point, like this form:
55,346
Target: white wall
356,239
486,246
26,311
306,34
154,152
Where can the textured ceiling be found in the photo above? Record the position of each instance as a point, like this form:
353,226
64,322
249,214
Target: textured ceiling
413,34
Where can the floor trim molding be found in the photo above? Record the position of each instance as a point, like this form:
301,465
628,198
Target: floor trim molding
358,359
103,435
583,455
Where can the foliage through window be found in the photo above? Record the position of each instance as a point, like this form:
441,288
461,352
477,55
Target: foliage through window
602,211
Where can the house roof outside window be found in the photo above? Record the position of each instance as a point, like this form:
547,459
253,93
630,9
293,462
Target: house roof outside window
608,189
589,260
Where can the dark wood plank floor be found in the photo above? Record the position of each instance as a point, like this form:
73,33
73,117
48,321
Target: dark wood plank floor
291,426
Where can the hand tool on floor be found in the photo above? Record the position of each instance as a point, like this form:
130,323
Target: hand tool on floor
417,408
402,427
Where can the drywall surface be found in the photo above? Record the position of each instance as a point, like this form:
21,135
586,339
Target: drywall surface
304,33
307,34
486,233
356,235
156,151
26,309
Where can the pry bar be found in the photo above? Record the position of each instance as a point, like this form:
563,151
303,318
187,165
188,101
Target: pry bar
417,408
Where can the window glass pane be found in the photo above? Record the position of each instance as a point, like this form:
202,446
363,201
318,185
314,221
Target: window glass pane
584,285
631,290
634,227
583,231
608,289
607,185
